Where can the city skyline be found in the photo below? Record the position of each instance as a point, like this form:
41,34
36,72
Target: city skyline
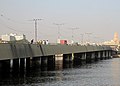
99,17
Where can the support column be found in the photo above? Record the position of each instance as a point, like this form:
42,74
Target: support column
104,55
107,56
36,62
51,62
93,56
22,66
67,60
16,64
88,57
22,63
27,64
77,59
101,55
4,68
5,65
15,68
59,62
44,60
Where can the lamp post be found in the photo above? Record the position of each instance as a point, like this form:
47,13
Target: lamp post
72,30
88,34
58,25
35,20
82,39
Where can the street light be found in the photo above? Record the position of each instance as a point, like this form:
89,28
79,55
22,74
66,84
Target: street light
82,39
35,20
72,30
88,34
58,25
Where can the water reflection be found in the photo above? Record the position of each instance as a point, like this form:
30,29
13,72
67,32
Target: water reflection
102,73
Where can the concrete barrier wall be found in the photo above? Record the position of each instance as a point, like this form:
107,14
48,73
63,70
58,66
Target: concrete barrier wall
5,51
10,51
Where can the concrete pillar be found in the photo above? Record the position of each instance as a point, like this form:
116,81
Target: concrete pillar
107,56
44,60
4,68
93,56
5,65
15,68
36,62
88,57
104,55
51,62
15,64
59,62
22,63
11,63
77,59
27,64
101,55
83,58
22,67
98,55
110,55
67,60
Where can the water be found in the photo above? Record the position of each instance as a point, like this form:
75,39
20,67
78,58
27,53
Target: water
101,73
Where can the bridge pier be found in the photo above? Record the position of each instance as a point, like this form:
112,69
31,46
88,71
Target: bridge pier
36,61
68,60
109,54
4,68
88,57
5,64
22,63
51,62
93,56
98,56
58,61
104,55
101,55
77,58
44,61
27,63
16,64
68,57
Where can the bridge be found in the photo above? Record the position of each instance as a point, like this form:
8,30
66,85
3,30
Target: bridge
17,55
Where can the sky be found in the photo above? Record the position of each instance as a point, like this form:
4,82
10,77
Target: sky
97,20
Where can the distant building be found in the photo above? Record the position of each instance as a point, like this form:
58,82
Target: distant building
115,43
12,37
116,39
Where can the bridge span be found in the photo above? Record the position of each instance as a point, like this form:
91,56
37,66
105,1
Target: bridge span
20,55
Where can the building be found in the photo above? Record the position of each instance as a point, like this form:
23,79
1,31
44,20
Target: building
115,43
115,40
12,37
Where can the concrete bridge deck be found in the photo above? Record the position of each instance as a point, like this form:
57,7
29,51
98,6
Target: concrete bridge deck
13,51
17,56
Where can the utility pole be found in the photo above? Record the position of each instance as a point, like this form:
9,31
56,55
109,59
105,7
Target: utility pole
82,39
88,34
58,25
36,20
72,29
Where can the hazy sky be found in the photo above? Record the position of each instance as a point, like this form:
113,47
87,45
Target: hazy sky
99,17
